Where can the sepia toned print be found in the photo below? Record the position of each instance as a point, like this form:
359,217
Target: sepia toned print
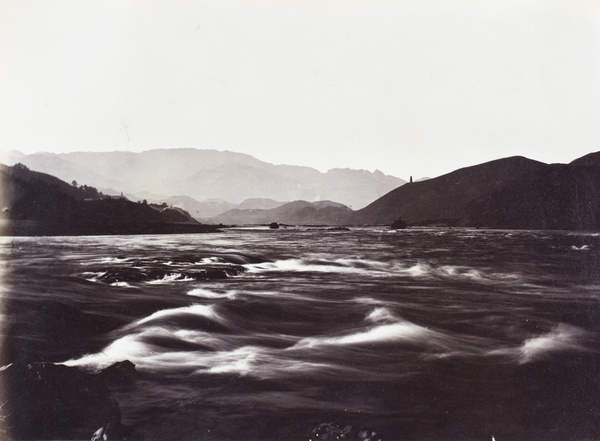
300,220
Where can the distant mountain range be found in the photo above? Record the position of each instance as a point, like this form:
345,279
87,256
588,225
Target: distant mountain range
208,209
512,193
208,175
34,203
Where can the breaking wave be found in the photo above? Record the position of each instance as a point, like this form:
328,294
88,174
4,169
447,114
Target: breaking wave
562,338
390,269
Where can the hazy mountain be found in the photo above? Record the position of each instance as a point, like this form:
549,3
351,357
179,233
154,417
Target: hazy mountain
296,213
513,192
36,203
259,203
210,174
57,166
207,209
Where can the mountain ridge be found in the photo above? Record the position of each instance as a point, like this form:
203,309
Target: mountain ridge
210,174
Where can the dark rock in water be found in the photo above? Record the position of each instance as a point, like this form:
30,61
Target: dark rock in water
136,275
399,224
115,432
219,272
123,275
332,432
121,372
241,258
48,401
51,331
273,225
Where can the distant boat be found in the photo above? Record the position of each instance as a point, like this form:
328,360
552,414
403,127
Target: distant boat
399,224
273,225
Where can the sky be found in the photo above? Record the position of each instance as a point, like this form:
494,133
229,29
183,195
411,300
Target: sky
410,87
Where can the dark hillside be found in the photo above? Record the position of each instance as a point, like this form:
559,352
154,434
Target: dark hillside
590,160
39,204
508,193
445,199
555,197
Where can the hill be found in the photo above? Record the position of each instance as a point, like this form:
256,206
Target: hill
589,160
210,174
36,203
512,192
295,213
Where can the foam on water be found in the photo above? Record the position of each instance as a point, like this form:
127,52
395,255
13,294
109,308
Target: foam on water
200,310
219,356
381,314
116,260
154,348
265,364
162,342
418,270
170,278
383,269
208,294
403,331
369,301
581,248
122,285
561,338
207,260
456,272
304,265
129,347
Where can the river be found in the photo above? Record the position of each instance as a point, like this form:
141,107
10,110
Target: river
258,334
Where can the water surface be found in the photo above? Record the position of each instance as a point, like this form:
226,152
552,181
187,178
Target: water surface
257,334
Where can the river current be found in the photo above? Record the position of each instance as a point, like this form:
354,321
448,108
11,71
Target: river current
258,334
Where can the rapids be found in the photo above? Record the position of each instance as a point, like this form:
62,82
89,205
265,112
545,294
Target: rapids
264,334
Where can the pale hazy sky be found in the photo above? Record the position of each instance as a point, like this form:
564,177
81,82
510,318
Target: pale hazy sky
410,87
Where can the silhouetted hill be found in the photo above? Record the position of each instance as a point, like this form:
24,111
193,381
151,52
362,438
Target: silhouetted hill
36,203
444,199
556,197
297,213
513,192
209,174
590,160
